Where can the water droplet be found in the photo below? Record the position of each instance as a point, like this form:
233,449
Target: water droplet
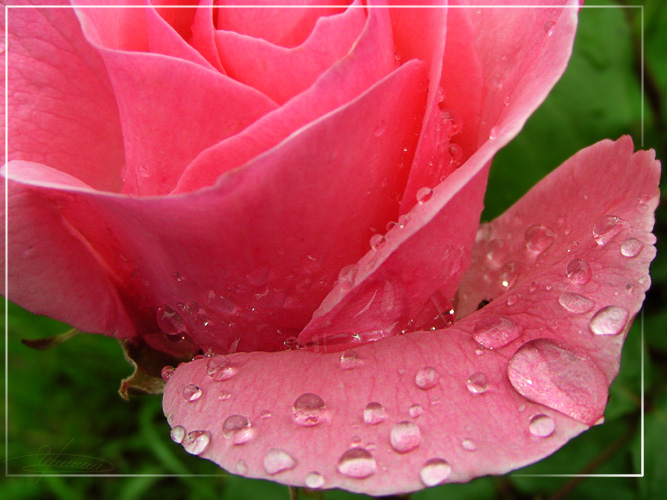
427,378
424,194
493,133
241,468
347,275
495,331
605,228
169,321
374,413
219,303
405,436
167,372
308,409
277,460
435,471
178,434
381,127
542,425
416,411
549,28
238,429
468,445
403,221
314,480
478,383
452,122
264,414
219,368
513,299
610,320
224,395
508,275
498,80
575,303
550,374
377,240
357,462
196,442
456,153
178,277
350,360
631,247
539,238
579,272
292,344
191,392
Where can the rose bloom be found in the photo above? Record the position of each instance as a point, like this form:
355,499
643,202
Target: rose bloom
284,205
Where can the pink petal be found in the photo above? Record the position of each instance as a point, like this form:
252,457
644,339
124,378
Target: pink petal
62,110
425,259
370,60
281,72
306,411
161,140
287,27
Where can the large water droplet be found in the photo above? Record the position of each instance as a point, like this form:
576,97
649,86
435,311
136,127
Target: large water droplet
605,228
238,429
424,194
357,462
610,320
314,480
575,303
308,409
435,471
374,413
220,368
631,247
579,272
196,442
478,383
347,275
191,392
541,425
277,460
539,238
405,436
169,321
178,434
350,360
427,378
495,331
547,373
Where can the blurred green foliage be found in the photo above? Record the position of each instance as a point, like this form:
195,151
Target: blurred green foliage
66,398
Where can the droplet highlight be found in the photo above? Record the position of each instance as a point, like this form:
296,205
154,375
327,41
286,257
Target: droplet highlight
191,392
196,442
178,434
424,194
220,368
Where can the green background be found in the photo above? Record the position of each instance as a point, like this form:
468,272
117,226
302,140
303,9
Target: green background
67,396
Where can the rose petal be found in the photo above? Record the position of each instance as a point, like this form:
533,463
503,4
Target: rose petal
281,72
62,110
542,387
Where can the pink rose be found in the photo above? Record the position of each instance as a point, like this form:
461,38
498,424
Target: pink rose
289,201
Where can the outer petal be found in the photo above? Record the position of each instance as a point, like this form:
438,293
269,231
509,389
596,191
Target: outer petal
425,241
452,409
62,110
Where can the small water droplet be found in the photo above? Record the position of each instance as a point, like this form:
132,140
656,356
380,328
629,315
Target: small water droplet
191,392
178,434
631,247
169,321
579,272
435,471
377,240
219,303
495,331
575,303
277,460
220,368
541,425
350,360
292,344
405,436
347,275
357,463
424,194
468,445
513,299
493,133
381,127
427,378
238,429
610,320
167,372
478,383
539,238
314,480
452,122
605,228
241,468
508,275
264,414
374,413
224,395
549,28
308,409
178,277
416,411
456,153
196,442
498,80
